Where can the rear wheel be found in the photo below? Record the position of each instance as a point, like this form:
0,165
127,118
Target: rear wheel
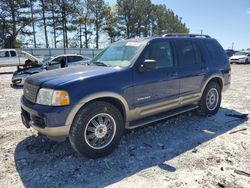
97,129
210,100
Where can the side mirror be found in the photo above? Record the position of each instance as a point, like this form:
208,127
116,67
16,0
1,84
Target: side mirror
147,65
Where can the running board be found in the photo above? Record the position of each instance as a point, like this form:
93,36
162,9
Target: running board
161,116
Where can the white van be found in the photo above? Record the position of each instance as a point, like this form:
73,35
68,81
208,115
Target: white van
12,57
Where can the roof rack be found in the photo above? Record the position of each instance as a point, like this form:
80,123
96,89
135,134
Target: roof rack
185,35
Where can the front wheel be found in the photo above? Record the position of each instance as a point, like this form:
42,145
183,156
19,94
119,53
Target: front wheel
247,61
96,129
210,100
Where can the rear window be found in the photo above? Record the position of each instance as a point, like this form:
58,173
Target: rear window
215,51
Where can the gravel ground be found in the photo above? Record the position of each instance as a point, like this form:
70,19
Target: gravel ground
185,151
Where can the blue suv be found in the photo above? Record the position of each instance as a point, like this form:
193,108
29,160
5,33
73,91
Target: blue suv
129,84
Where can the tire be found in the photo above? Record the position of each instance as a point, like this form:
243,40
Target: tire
247,61
96,130
210,100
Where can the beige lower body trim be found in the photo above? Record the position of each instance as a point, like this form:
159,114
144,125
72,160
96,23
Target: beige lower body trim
62,131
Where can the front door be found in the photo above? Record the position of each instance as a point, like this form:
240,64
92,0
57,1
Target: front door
58,62
154,88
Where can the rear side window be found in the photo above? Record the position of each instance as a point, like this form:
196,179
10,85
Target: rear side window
186,52
12,53
215,51
72,59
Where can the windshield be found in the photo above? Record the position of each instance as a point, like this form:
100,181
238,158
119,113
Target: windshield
241,53
118,54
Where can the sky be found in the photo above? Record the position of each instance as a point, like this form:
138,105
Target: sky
226,20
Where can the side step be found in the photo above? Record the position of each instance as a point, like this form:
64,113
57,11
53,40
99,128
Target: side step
161,116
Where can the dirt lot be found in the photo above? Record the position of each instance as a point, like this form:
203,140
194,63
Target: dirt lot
185,151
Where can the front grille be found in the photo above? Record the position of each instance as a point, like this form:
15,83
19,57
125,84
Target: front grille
30,92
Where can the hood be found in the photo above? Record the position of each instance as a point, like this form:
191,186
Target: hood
27,55
30,70
237,56
57,77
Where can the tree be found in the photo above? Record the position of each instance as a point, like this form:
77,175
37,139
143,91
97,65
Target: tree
53,19
44,8
99,10
33,19
111,26
14,19
68,9
125,15
84,22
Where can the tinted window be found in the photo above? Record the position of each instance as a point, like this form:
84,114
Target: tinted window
13,53
4,54
198,55
72,59
160,52
215,51
186,52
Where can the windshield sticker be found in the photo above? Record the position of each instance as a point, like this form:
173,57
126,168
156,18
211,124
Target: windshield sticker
136,44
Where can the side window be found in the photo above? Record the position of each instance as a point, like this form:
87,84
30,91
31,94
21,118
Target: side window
186,53
57,60
215,51
160,52
12,53
4,54
72,59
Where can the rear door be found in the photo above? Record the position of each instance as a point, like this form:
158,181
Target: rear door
191,71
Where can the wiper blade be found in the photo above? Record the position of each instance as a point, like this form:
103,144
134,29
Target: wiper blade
98,63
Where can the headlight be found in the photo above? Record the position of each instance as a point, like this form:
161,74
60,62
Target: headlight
52,97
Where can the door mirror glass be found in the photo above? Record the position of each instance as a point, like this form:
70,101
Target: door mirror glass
147,65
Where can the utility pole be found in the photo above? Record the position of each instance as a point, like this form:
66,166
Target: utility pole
232,45
201,32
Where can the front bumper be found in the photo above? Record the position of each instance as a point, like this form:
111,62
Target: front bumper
50,121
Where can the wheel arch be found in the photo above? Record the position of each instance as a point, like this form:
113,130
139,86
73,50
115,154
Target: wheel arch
217,78
115,99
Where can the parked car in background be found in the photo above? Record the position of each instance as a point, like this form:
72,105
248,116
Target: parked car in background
240,57
61,61
12,57
230,52
129,84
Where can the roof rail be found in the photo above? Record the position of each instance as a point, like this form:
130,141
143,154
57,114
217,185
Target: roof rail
185,35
